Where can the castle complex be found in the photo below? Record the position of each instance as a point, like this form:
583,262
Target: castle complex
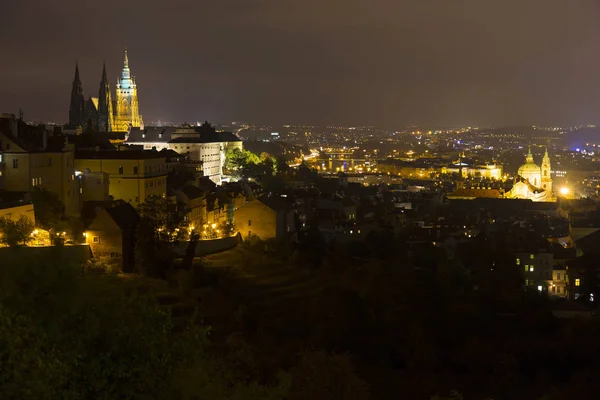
102,113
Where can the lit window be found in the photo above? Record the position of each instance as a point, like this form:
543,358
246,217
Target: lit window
531,268
518,261
96,239
526,268
540,288
577,282
526,282
531,256
558,276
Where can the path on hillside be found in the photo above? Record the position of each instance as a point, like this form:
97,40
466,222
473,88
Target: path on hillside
255,281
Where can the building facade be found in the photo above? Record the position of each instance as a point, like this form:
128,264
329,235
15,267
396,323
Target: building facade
111,234
133,175
195,203
17,210
30,159
266,217
537,269
203,144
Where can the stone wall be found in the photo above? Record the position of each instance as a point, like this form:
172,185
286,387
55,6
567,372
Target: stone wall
206,247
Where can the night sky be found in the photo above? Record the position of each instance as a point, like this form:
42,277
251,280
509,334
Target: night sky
355,62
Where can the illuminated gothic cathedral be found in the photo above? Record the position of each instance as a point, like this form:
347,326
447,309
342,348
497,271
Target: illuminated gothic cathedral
102,113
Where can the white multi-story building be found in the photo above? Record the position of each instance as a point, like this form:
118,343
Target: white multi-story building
201,143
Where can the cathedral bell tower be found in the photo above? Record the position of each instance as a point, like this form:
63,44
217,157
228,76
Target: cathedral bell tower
127,110
546,173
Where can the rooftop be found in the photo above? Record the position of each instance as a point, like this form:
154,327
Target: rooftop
118,155
191,134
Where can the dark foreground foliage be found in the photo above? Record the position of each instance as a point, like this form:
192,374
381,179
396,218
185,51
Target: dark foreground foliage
68,336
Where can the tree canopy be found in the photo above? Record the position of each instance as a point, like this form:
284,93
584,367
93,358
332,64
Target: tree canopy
162,223
49,210
65,336
15,233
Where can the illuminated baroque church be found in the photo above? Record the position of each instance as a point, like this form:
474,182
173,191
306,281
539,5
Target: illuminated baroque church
102,113
533,182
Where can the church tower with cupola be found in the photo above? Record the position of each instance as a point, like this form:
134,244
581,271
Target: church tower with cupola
546,174
127,110
530,170
533,182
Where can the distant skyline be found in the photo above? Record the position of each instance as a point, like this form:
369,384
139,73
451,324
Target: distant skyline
354,62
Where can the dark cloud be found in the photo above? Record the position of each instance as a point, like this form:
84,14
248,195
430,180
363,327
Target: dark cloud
383,62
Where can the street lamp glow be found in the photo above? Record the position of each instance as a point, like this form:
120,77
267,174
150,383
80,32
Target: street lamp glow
564,191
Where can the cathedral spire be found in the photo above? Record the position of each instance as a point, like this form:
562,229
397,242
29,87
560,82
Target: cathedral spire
126,73
105,104
76,79
104,77
76,102
127,108
77,86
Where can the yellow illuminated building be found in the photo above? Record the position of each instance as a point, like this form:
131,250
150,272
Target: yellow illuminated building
133,175
26,164
16,211
127,108
534,182
106,113
487,171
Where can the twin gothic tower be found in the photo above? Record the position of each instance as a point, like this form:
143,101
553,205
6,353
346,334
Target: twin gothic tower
102,114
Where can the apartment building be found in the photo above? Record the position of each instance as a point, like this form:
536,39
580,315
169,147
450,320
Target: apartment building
31,157
132,175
